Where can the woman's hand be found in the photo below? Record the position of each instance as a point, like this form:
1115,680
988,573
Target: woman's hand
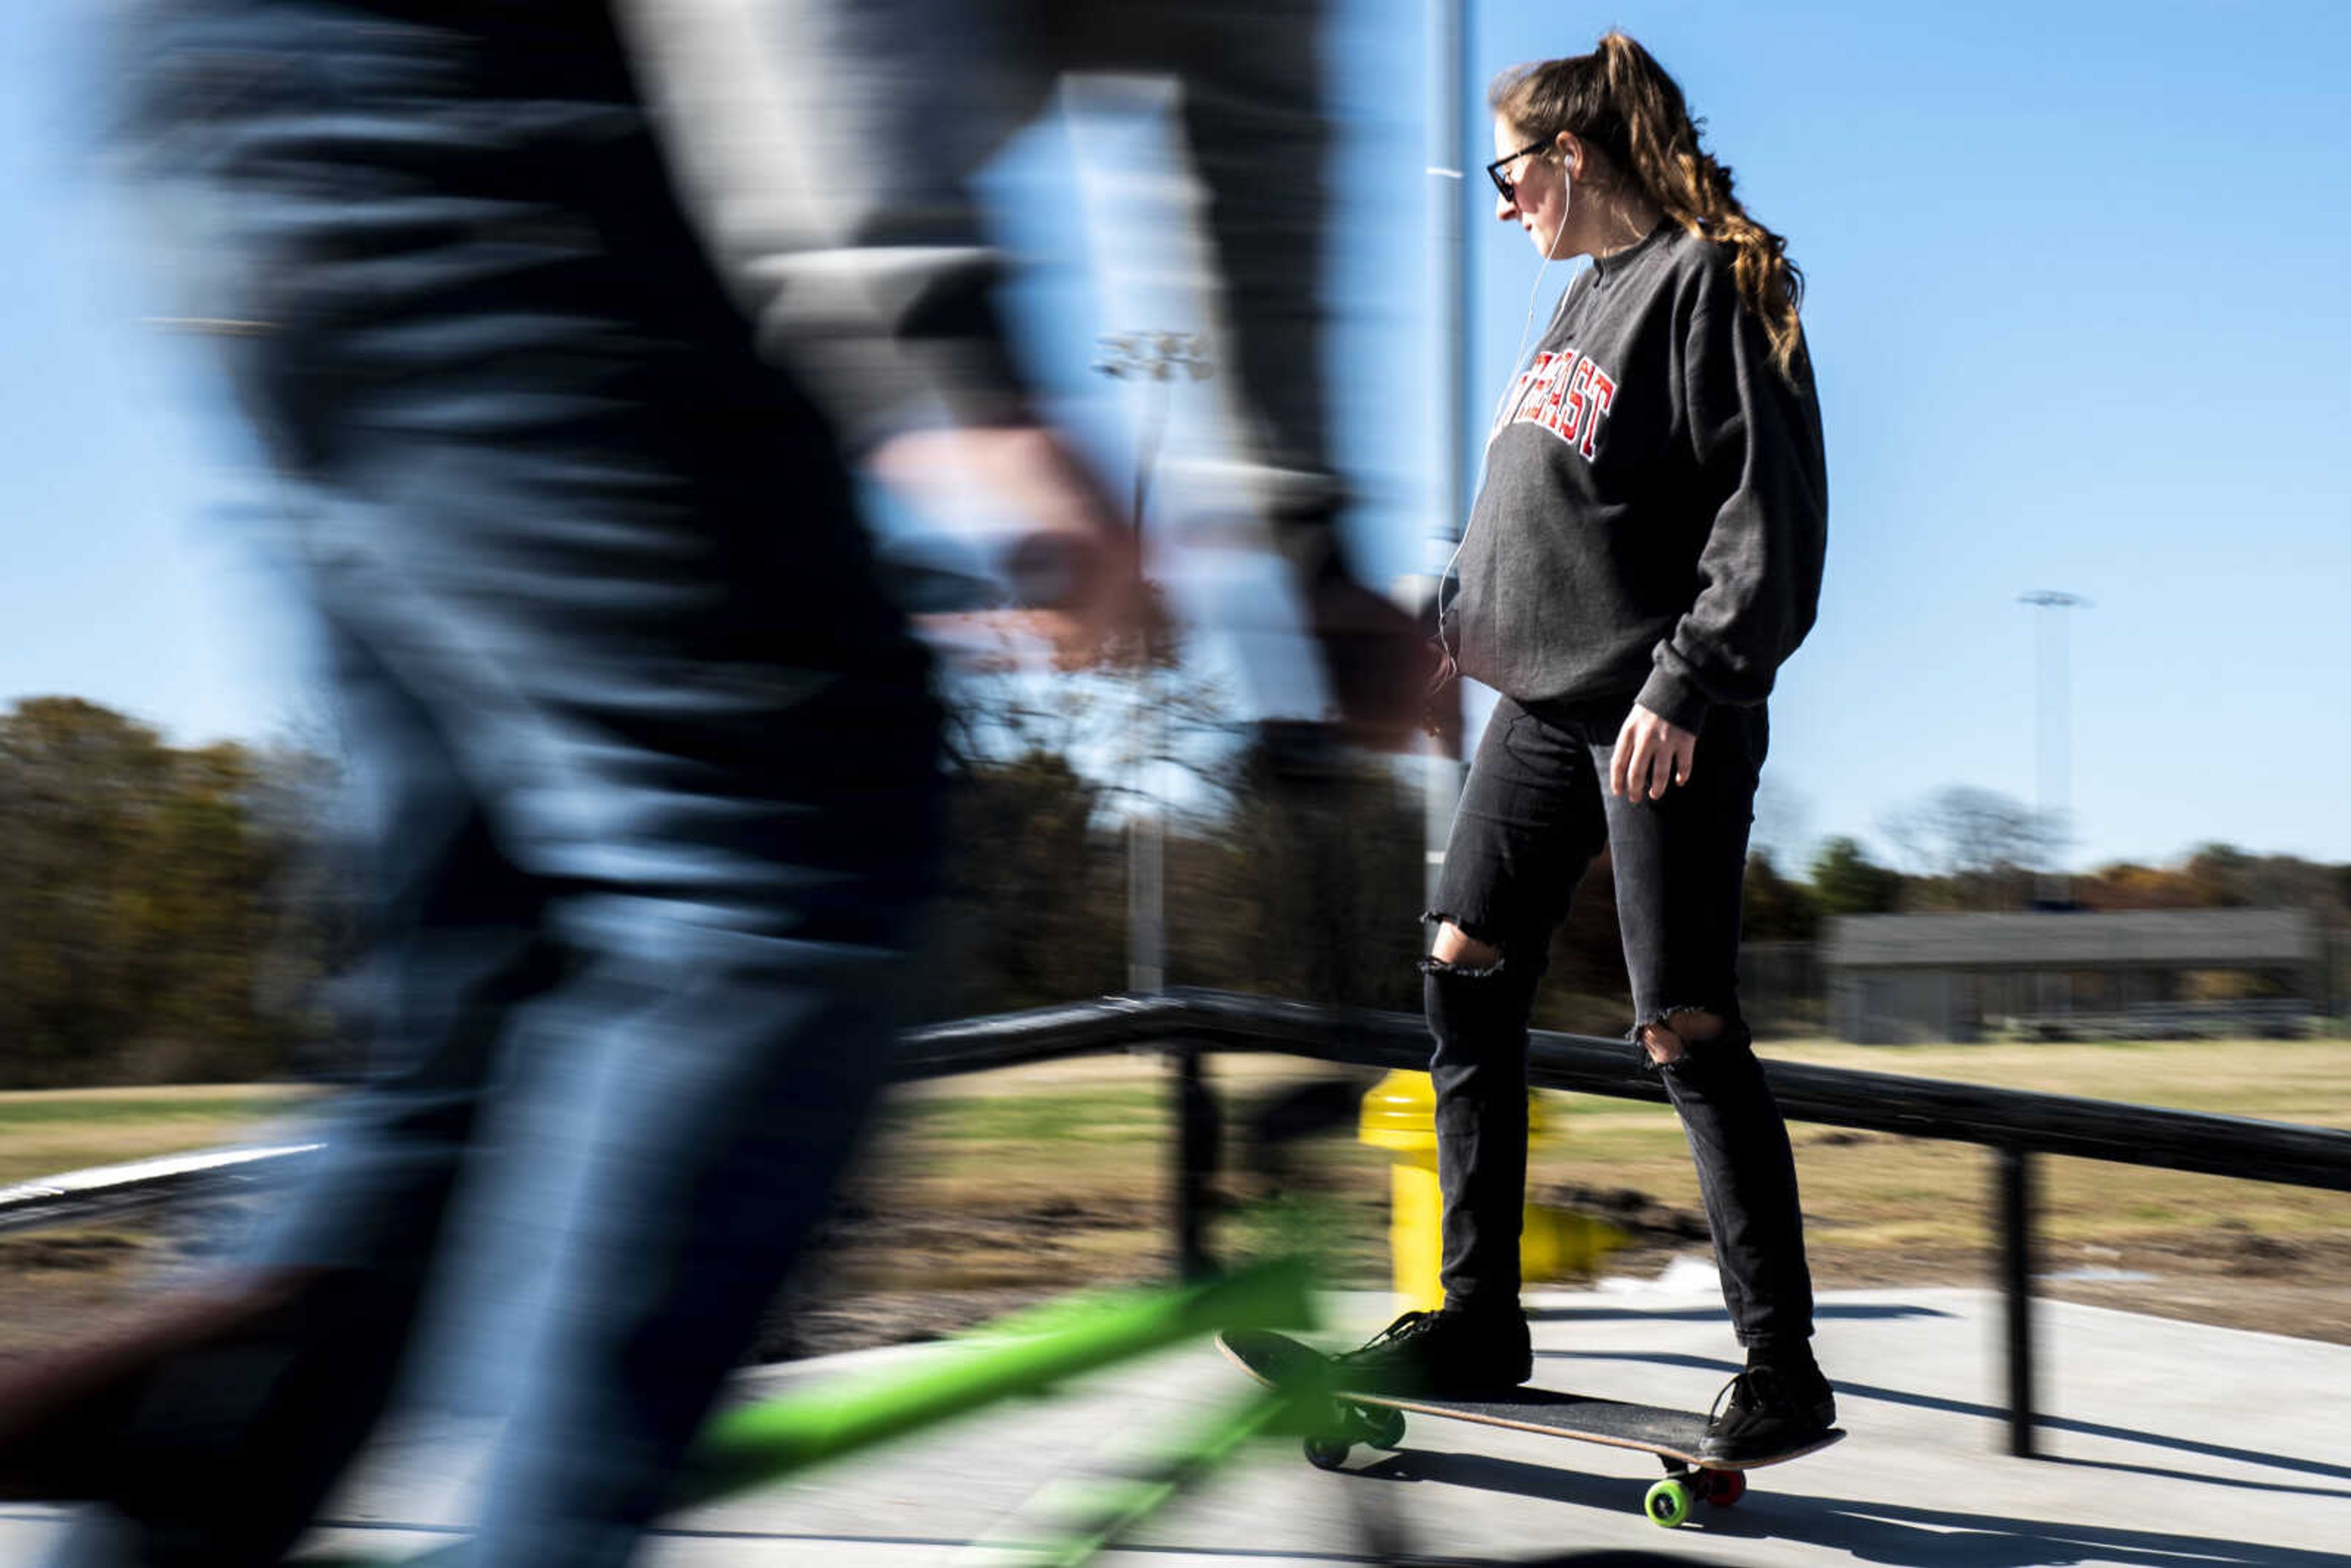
1651,753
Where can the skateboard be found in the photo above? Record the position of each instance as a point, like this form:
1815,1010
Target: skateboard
1378,1419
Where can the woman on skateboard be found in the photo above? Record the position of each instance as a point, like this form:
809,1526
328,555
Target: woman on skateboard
1644,554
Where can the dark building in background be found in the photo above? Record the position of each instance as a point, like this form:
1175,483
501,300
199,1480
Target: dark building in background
2148,974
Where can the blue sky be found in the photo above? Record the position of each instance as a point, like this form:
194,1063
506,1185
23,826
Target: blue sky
2076,303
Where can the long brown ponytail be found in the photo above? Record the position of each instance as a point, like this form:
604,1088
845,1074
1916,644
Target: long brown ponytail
1621,100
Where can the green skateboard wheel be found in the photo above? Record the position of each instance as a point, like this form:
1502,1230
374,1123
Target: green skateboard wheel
1327,1453
1668,1503
1383,1428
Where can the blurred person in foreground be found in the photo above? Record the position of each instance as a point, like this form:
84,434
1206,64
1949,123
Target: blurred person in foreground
1646,551
562,322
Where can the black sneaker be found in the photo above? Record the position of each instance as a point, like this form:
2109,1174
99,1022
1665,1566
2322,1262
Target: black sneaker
1447,1354
1774,1412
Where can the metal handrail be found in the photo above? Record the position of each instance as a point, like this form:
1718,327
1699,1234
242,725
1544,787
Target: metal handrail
2018,1125
2021,1119
104,1192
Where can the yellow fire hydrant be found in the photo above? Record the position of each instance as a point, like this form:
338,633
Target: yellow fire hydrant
1400,1116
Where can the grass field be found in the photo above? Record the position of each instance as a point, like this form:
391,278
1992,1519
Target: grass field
1096,1128
48,1130
1038,1178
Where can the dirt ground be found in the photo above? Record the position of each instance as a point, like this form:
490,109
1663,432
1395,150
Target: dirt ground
907,1276
1019,1186
919,1278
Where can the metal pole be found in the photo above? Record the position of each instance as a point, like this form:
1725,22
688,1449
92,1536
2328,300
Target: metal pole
2016,1251
1447,27
1153,358
1201,1138
2053,772
1146,829
1449,165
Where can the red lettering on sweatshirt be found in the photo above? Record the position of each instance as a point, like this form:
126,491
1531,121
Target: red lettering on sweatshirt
1603,395
1578,406
1534,387
1564,394
1554,401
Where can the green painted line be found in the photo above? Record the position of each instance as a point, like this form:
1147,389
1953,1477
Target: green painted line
1027,1353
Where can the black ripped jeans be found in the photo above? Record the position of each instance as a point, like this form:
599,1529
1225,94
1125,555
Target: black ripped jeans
1535,813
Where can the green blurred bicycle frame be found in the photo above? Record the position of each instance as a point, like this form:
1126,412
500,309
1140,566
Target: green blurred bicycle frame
784,1435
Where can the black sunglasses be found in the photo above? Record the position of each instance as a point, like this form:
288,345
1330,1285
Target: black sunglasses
1503,182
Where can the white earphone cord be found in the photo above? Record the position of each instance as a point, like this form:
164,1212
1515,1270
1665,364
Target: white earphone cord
1494,425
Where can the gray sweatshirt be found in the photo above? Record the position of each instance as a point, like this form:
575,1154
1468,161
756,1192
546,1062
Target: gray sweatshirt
1655,503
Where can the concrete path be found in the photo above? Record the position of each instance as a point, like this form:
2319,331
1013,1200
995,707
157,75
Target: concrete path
2167,1444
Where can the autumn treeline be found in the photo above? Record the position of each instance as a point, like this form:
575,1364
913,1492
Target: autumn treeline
165,913
173,915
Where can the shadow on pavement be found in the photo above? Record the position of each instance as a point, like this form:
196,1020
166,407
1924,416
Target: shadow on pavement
1995,1413
1852,1311
1893,1534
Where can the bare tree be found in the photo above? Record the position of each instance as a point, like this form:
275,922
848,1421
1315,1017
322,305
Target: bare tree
1983,844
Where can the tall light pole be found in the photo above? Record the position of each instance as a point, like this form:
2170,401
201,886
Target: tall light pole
2054,748
1447,24
1153,359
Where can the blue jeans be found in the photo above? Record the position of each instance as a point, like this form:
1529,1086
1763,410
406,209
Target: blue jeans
652,763
1535,813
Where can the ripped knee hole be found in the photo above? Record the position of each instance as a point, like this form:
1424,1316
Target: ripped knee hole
1664,1045
1669,1039
1457,952
1464,967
